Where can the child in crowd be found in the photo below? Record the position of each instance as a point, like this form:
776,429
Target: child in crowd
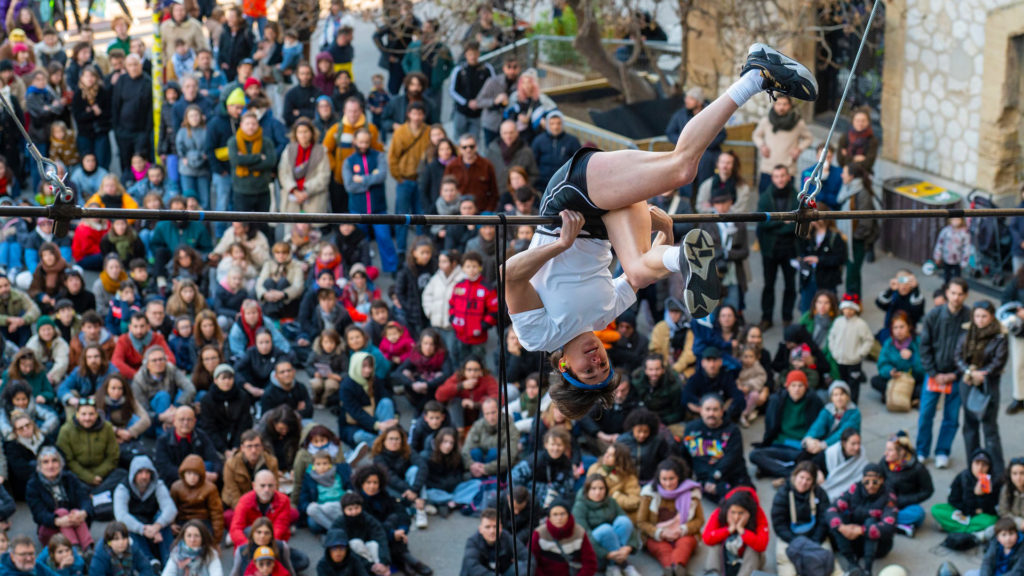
183,61
327,365
801,358
447,204
323,485
118,555
61,557
121,308
850,341
291,54
63,148
953,248
473,307
397,344
554,476
182,344
751,381
1005,553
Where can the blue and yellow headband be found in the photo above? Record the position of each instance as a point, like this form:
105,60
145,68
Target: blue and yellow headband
577,384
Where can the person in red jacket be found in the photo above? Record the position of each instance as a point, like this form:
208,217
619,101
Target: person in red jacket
473,309
278,509
737,533
559,541
465,391
131,347
85,245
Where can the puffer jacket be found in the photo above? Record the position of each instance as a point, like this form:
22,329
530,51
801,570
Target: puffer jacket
90,452
912,483
782,514
436,296
201,502
190,145
717,529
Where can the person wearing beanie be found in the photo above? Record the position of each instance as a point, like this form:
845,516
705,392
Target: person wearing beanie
863,521
713,378
790,413
559,541
840,414
973,498
237,96
850,341
51,349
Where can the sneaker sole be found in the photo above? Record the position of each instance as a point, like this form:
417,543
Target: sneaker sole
778,68
703,288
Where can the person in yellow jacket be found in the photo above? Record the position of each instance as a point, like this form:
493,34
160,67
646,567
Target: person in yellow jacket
339,143
113,195
408,146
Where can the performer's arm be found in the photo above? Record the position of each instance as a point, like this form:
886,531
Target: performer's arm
520,296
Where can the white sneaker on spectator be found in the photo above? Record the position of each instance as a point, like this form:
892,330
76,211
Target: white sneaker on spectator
430,509
357,454
629,570
613,570
941,461
421,519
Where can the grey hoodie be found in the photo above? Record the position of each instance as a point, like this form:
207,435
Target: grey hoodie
122,496
444,209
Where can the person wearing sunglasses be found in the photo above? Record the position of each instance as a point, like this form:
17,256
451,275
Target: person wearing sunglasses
862,521
601,198
475,174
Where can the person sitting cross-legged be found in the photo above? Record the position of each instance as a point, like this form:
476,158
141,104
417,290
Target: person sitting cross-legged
145,506
863,522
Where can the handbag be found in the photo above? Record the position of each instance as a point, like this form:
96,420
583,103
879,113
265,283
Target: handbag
899,392
978,400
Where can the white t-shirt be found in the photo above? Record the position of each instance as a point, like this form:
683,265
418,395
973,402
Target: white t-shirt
578,292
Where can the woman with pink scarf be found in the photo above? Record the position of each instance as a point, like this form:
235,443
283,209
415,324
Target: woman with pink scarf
670,516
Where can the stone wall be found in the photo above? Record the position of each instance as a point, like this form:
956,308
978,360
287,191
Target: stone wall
945,92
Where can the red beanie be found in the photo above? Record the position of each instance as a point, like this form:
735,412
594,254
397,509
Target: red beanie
796,376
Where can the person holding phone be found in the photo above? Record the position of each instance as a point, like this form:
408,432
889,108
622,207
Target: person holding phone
973,497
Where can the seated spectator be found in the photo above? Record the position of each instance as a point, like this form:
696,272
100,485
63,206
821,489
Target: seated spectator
900,355
197,499
791,412
367,537
21,560
362,390
1010,501
902,294
281,430
658,389
263,501
737,533
170,237
323,485
670,514
121,308
444,487
315,439
66,321
357,340
161,386
973,497
145,506
337,560
48,278
844,464
369,482
359,293
716,448
256,366
26,367
262,536
862,521
87,377
280,284
646,444
796,336
607,525
465,390
908,478
122,239
224,413
120,551
251,236
397,343
752,381
406,470
554,475
92,332
17,397
839,415
106,286
61,557
483,449
619,472
558,532
238,257
797,510
327,364
243,331
712,378
82,300
90,446
328,314
285,391
186,300
59,502
131,347
22,452
628,351
228,298
183,347
182,440
489,549
208,333
116,404
195,551
243,465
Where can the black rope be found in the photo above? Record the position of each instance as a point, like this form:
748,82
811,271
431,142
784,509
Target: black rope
503,388
541,377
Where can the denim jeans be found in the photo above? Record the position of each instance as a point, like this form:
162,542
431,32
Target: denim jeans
464,493
261,24
100,146
385,411
950,422
10,254
197,187
912,515
613,536
466,125
388,257
222,200
407,201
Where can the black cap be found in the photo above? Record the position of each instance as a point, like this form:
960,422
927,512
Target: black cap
711,353
876,469
6,65
629,317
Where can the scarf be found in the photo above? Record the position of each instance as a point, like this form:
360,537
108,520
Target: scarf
248,145
110,285
53,272
903,464
138,175
509,152
977,340
427,365
120,565
33,444
822,324
304,158
123,243
140,344
196,566
727,186
89,93
528,406
333,265
250,331
56,488
682,496
561,533
117,412
783,123
858,141
902,345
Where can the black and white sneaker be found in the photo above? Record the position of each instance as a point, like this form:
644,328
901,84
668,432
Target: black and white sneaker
696,261
781,73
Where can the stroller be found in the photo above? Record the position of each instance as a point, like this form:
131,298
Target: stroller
992,243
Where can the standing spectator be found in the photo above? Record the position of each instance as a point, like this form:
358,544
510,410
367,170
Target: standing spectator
507,151
300,100
182,26
529,107
131,105
472,308
822,256
849,342
90,108
981,355
941,331
858,194
778,243
493,98
220,130
693,103
194,167
781,137
485,32
340,143
364,173
304,170
407,148
236,42
475,174
552,148
253,159
726,178
145,506
953,249
903,294
467,80
731,250
1016,225
859,145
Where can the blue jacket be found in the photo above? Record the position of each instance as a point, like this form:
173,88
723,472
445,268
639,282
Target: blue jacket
309,492
77,567
724,385
820,428
83,385
829,193
101,561
184,350
706,335
212,85
275,131
40,500
7,568
889,359
219,130
238,342
551,152
373,166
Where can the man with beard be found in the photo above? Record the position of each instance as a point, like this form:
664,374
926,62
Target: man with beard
781,137
658,390
493,98
18,312
397,109
300,100
716,449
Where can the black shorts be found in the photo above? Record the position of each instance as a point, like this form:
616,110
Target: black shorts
567,190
